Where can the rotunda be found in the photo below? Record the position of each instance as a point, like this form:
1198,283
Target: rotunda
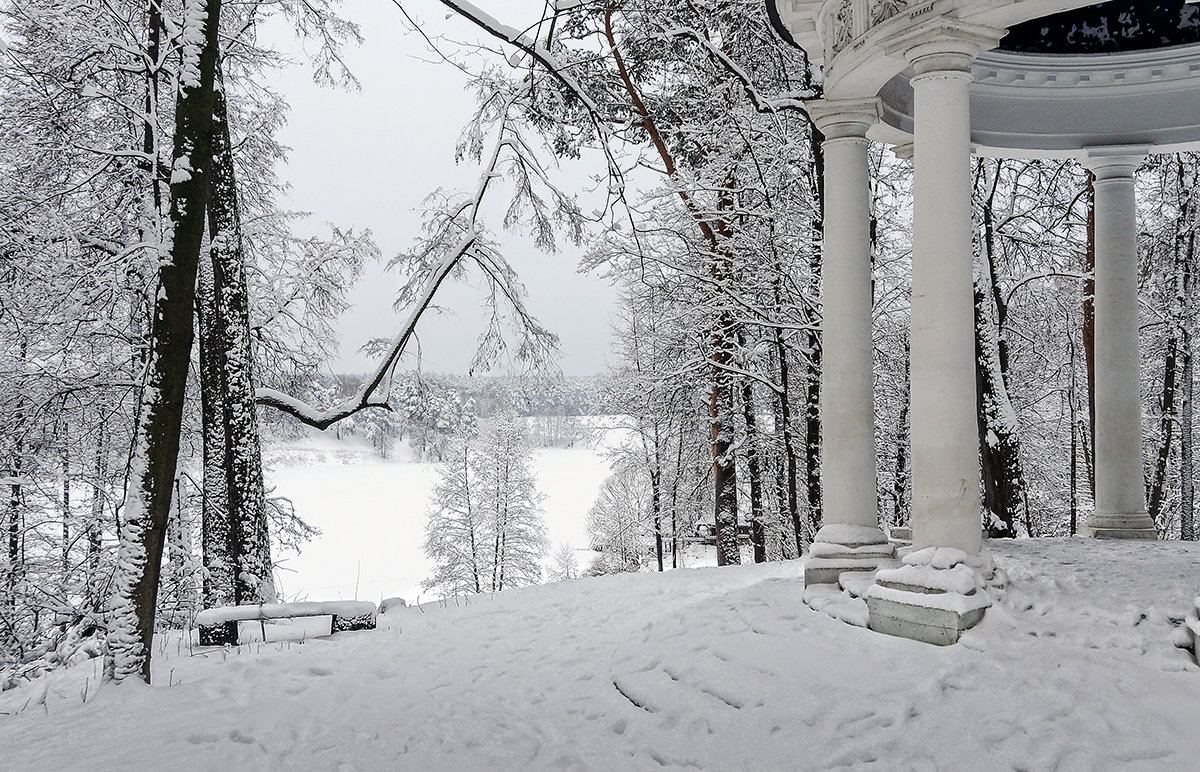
1104,83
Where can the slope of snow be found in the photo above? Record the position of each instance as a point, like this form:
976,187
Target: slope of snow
713,668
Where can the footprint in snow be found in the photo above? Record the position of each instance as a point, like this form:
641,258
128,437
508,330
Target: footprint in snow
239,736
201,739
320,671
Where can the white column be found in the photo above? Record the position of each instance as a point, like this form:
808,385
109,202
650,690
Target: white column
850,537
1120,489
944,434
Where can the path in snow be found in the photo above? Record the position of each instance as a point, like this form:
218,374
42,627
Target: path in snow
695,669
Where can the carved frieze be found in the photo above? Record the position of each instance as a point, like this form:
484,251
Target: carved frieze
851,19
882,10
843,26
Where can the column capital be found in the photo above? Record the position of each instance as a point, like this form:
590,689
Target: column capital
1111,162
945,45
844,118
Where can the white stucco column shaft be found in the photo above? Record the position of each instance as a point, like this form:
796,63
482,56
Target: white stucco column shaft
945,444
1120,489
847,405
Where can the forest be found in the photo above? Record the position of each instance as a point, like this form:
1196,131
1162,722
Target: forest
160,316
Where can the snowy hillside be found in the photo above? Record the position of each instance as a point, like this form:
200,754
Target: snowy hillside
699,669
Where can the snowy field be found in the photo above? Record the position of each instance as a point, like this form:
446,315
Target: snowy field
372,512
711,668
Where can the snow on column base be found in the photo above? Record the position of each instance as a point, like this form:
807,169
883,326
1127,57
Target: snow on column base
934,596
1136,525
838,547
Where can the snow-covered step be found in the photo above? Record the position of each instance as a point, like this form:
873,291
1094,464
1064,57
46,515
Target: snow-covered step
833,601
858,582
843,601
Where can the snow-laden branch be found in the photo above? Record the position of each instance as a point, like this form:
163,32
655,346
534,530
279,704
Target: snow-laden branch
457,226
538,52
791,101
374,391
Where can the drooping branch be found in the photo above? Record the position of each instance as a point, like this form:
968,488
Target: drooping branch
461,222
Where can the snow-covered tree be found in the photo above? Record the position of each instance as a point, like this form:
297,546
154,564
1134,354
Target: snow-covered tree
456,536
485,530
620,522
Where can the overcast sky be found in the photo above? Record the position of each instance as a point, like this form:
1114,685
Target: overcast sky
368,158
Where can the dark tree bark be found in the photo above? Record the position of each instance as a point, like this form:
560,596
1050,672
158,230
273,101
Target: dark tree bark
243,457
160,414
783,413
66,515
1089,322
1004,495
217,543
901,512
1187,466
1166,404
724,469
95,525
758,531
656,504
812,375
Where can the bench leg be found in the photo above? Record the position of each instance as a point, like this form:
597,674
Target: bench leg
223,634
342,624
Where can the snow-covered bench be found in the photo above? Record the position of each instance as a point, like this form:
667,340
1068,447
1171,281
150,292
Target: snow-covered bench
219,626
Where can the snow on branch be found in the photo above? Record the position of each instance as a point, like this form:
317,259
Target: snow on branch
455,236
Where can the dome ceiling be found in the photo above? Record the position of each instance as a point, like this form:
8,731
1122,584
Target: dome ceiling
1112,27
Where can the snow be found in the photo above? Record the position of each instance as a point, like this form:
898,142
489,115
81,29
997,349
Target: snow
1074,666
372,512
342,608
960,579
714,668
841,533
195,16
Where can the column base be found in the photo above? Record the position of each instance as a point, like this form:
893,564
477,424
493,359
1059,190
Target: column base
1137,525
933,597
838,547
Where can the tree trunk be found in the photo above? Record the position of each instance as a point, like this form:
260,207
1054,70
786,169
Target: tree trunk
1073,408
901,511
243,457
1004,497
13,570
725,515
758,536
1158,478
95,525
783,412
217,543
1089,323
1187,489
66,516
656,506
160,413
812,407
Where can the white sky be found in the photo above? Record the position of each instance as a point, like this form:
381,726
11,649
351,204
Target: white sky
368,159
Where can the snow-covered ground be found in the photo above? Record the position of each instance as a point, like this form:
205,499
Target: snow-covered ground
371,512
711,668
